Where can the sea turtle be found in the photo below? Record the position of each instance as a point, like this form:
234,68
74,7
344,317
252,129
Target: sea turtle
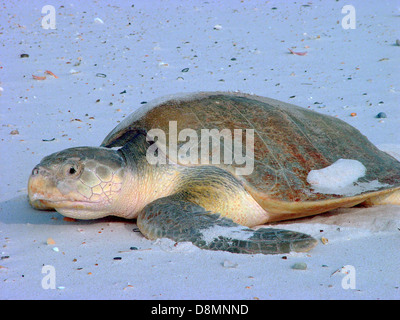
150,167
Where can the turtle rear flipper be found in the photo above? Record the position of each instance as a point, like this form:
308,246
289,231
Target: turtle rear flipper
181,220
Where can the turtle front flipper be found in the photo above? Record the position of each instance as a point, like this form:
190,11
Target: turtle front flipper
181,220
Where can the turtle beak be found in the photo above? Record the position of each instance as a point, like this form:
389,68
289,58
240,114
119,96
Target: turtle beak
38,183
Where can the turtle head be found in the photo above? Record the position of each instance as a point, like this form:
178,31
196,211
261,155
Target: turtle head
82,182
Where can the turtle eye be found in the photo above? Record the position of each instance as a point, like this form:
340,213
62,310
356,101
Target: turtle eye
35,171
72,169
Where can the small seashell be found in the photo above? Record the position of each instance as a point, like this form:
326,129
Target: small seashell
229,264
297,53
50,73
38,77
217,27
128,287
50,241
299,266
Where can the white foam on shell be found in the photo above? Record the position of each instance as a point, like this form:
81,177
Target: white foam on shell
341,178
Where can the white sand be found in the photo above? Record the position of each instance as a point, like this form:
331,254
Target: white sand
142,50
